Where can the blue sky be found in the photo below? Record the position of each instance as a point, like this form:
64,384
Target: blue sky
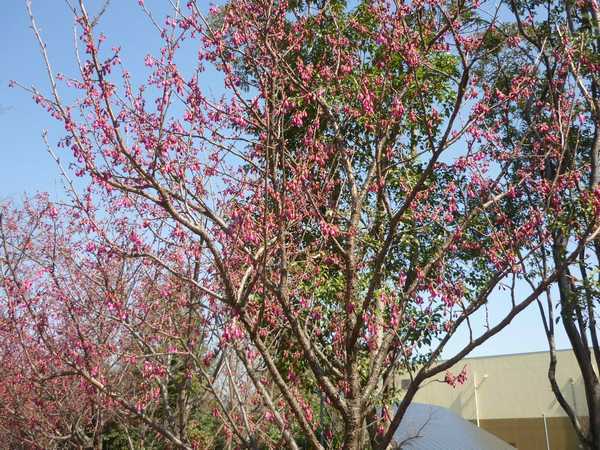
26,167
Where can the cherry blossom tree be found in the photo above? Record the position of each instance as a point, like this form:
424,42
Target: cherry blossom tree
557,128
342,210
103,350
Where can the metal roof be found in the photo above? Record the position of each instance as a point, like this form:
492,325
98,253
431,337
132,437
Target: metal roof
430,427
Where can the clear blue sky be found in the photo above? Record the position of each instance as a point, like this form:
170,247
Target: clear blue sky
25,166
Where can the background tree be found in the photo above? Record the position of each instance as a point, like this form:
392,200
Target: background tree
101,350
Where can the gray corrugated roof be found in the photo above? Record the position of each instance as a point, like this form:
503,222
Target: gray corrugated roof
429,427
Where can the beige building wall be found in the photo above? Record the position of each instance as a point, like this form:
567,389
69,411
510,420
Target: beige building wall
510,396
509,387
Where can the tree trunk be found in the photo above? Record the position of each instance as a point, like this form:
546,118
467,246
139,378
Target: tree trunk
352,429
576,333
